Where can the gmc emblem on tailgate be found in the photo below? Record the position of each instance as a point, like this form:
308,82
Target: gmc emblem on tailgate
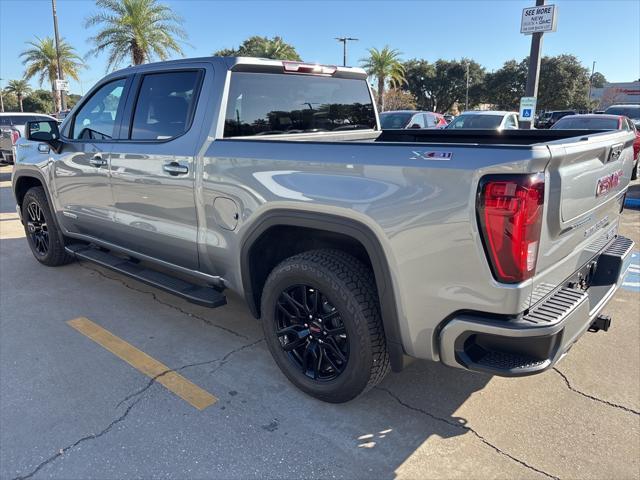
608,183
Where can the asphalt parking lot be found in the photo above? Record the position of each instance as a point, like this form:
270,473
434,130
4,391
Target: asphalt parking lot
71,408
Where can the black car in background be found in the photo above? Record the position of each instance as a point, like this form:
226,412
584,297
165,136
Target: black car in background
547,119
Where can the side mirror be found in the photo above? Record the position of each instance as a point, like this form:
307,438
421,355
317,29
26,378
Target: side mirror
415,125
45,131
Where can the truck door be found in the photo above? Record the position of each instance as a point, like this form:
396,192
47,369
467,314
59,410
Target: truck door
153,171
81,169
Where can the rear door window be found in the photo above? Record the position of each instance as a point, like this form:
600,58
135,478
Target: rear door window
165,105
273,104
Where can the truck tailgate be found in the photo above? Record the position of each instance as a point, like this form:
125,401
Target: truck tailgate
586,181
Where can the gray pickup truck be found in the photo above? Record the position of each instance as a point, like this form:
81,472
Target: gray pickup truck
357,248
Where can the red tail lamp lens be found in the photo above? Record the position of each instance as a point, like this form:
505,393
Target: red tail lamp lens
510,215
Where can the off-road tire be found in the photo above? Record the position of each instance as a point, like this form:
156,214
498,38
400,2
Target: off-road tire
350,287
56,255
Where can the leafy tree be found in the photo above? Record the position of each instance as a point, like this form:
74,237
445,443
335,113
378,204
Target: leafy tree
263,47
449,85
39,101
598,80
397,99
20,88
505,86
136,29
10,102
564,83
72,99
41,60
385,65
420,81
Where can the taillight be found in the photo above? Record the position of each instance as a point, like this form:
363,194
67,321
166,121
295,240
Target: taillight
509,211
15,135
308,68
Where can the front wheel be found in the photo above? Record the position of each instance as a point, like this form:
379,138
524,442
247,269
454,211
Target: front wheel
322,324
41,230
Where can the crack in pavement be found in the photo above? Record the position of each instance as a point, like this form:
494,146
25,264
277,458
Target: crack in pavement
162,302
222,361
591,397
468,429
124,415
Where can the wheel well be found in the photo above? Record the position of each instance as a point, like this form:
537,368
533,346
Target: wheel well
23,184
283,241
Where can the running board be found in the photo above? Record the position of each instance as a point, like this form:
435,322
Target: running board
205,296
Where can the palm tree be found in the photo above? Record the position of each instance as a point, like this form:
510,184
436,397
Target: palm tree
20,88
40,60
139,29
384,64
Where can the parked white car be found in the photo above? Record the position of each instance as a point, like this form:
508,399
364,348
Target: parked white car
486,120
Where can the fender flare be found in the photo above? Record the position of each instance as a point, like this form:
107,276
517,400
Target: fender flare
335,224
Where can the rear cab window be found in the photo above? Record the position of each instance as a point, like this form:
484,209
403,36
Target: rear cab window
165,105
261,104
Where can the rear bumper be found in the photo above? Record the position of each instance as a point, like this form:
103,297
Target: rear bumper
535,340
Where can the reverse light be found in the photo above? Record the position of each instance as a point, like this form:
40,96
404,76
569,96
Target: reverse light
509,209
308,68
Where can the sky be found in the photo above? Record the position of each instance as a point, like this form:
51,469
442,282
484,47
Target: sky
604,31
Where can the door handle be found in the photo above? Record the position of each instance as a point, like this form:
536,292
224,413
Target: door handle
98,161
174,168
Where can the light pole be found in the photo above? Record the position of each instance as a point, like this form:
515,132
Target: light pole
466,99
533,75
1,98
593,70
63,101
344,41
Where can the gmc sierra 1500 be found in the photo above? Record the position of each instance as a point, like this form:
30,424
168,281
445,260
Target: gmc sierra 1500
490,251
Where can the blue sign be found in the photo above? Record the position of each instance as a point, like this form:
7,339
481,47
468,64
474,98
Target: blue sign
632,278
526,113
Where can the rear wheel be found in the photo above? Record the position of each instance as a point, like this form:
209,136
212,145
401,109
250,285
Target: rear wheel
42,233
322,324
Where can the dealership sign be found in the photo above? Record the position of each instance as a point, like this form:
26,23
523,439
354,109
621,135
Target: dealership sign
539,19
62,85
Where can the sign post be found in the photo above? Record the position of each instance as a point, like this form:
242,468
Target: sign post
535,21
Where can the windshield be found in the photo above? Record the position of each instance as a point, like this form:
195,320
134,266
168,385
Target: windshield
477,121
589,123
271,104
631,111
394,120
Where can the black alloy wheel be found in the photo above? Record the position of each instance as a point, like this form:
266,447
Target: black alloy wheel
311,332
37,228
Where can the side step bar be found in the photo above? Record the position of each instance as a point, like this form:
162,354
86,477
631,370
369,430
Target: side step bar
205,296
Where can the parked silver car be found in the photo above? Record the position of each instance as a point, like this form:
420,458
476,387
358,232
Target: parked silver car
11,128
486,119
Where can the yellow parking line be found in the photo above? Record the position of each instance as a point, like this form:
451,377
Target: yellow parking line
11,228
146,364
5,183
9,216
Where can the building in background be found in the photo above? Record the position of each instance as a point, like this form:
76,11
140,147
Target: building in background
613,93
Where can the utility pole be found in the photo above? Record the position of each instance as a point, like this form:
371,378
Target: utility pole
63,101
466,100
593,70
1,98
344,41
533,75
